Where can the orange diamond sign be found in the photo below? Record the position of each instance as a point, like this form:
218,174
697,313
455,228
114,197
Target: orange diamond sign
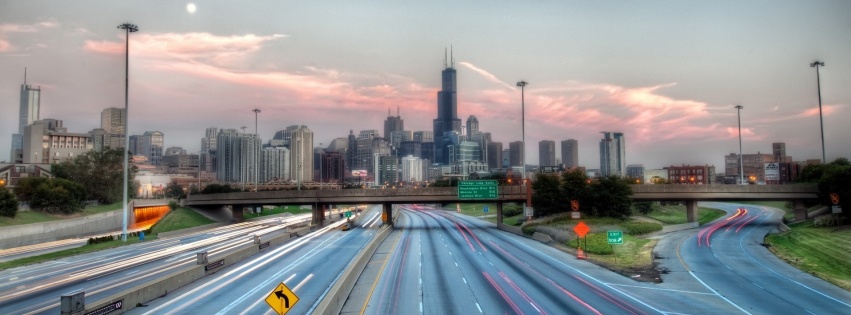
581,229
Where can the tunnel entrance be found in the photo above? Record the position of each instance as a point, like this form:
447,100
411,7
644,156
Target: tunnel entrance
145,217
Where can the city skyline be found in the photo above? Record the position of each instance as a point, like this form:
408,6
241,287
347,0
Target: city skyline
667,76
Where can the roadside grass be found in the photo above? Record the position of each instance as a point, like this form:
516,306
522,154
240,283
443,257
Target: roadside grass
822,252
70,252
477,210
678,215
179,219
294,209
634,253
28,217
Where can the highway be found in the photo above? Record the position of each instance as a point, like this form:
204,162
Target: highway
35,289
443,263
308,266
724,268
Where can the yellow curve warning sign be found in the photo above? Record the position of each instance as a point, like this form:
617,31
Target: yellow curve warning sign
282,299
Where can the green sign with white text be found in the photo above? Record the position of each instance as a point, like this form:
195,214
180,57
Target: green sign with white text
615,237
477,189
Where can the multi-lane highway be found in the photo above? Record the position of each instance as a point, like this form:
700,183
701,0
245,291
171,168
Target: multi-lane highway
440,262
308,266
724,267
36,288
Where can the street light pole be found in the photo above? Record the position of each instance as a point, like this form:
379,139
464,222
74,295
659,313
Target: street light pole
321,157
128,28
257,158
816,65
522,85
741,166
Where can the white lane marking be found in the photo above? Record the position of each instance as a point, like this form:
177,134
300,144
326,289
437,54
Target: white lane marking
758,286
716,293
479,307
13,278
465,280
659,289
300,284
535,307
132,272
456,264
421,307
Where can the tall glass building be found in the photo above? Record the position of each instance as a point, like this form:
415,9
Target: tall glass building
613,154
447,120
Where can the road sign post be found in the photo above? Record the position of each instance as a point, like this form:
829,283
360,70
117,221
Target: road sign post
477,189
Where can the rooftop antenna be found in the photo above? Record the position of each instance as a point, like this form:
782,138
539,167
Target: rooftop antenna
25,76
451,56
445,65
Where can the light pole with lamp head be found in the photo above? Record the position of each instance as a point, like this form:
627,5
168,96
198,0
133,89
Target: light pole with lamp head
256,159
128,28
522,85
816,65
741,166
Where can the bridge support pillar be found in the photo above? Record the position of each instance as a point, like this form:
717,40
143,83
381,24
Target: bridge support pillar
800,210
387,213
318,214
498,212
236,211
691,210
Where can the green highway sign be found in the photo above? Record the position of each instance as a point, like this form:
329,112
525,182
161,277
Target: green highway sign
615,237
477,189
348,214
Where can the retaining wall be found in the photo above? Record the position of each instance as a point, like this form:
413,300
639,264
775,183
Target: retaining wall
35,233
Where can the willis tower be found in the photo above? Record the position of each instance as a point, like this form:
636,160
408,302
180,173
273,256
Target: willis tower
447,120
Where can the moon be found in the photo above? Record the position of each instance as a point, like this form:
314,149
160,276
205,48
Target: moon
190,8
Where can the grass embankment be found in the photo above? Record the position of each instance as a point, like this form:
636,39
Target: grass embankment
180,218
822,252
277,210
678,215
27,217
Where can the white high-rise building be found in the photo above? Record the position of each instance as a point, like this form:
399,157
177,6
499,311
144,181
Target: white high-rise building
301,154
238,157
276,164
412,169
613,154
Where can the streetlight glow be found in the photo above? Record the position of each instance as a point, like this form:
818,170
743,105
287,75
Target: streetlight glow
128,28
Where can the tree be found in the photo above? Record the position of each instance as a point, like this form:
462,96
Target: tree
26,188
836,180
8,203
58,195
575,185
174,190
611,197
643,207
100,173
548,198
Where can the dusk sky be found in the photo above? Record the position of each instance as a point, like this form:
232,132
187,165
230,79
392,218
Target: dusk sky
665,73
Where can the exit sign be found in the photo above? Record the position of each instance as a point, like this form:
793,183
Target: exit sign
615,237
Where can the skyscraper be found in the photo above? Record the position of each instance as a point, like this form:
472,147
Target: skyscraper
208,150
516,155
472,126
613,154
570,153
238,157
112,120
301,154
494,150
547,153
30,107
447,113
393,123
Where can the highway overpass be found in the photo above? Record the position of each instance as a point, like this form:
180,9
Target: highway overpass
691,194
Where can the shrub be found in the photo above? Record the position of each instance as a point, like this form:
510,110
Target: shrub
510,211
643,207
528,230
593,243
827,220
638,227
8,203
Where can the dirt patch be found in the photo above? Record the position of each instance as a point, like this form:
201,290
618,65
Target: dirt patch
647,273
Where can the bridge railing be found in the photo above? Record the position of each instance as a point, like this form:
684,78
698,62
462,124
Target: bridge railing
294,194
682,188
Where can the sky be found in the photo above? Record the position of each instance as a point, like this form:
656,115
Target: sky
667,74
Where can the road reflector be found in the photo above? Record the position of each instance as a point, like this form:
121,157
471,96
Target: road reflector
282,299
